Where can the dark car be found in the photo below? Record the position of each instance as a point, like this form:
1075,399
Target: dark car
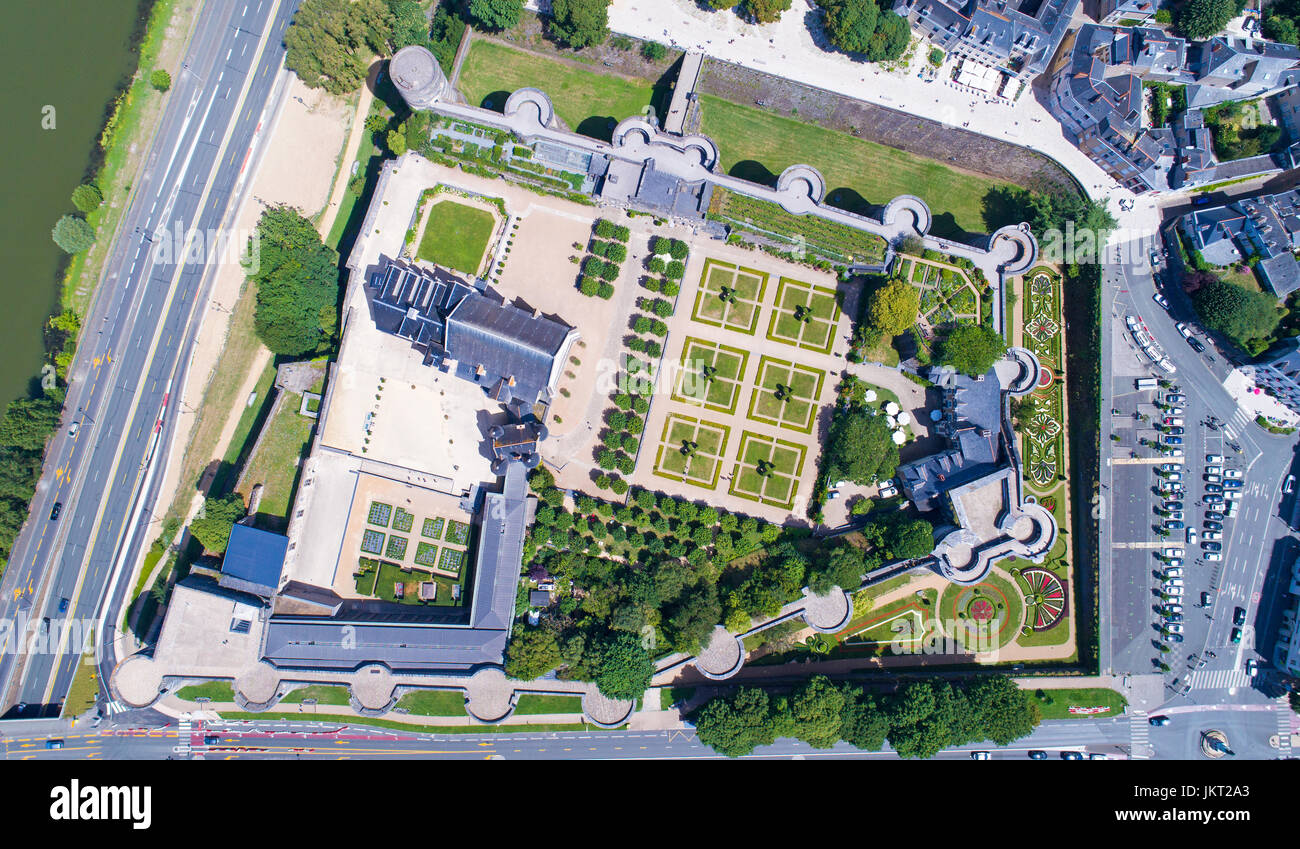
1196,344
1159,720
1173,440
1071,756
56,510
1174,638
1231,484
1173,617
1212,526
1200,200
211,740
1235,636
1213,487
1173,505
63,605
1212,546
1213,499
1037,755
1239,616
1174,526
54,744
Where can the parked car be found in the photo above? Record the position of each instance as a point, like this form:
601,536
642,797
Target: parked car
1172,440
1171,552
1182,328
1213,479
1171,467
1174,582
1175,563
1176,431
1212,535
1212,526
1239,616
1160,299
1213,499
1173,592
1174,526
1235,474
1232,495
1176,515
1075,756
1174,477
1191,536
1173,505
1214,458
1174,628
1175,411
980,756
1037,755
1175,398
1173,572
1173,421
1213,557
1173,617
1172,609
888,491
1232,485
1212,546
1214,470
1197,345
1213,487
1288,485
1174,638
1214,515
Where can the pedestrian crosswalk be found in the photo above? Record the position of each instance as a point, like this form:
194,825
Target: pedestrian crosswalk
1218,679
114,707
1236,424
183,734
1139,736
1284,722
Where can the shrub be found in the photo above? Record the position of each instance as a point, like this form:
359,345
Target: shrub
630,444
640,405
675,270
641,324
662,308
670,288
625,464
160,80
660,244
618,485
653,51
609,271
658,328
653,348
598,248
623,402
677,249
605,229
656,265
621,233
588,285
602,482
635,425
616,252
651,283
87,197
606,291
73,234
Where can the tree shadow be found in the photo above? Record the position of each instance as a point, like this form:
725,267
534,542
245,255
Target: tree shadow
496,100
850,200
598,127
753,171
946,227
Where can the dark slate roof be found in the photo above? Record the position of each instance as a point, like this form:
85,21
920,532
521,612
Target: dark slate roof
253,561
508,351
341,644
411,301
670,194
500,551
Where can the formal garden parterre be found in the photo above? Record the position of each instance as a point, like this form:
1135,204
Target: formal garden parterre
768,470
730,296
804,315
786,394
691,450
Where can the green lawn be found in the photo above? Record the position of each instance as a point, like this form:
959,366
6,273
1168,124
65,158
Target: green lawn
355,721
323,694
588,101
217,691
757,145
1056,704
531,704
433,703
85,688
276,463
456,236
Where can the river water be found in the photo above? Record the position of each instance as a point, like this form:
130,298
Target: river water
70,55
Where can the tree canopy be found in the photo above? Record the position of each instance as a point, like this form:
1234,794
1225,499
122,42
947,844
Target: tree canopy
73,234
212,527
1247,318
767,11
1201,19
735,727
580,23
496,14
87,197
860,447
532,653
297,285
971,349
329,42
625,668
893,307
24,429
861,26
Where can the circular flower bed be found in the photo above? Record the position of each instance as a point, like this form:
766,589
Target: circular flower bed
1045,376
1046,598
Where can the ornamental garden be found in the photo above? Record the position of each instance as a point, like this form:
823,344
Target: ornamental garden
412,559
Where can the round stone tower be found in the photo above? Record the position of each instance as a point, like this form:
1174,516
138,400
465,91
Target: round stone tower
417,76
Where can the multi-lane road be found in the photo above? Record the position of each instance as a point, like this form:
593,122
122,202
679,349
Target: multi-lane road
135,347
1206,667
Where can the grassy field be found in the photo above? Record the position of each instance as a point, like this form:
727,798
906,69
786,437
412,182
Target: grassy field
84,691
456,236
324,695
531,704
276,463
356,721
217,691
433,703
1056,704
758,145
590,102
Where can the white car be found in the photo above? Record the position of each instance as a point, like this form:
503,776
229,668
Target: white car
1131,321
1213,557
1175,476
1175,411
1166,365
1213,479
1171,467
1183,329
1174,591
1214,458
1232,495
1191,536
1288,485
1177,452
1214,470
888,491
1174,628
1212,536
1160,299
1171,552
1233,474
1176,516
1173,572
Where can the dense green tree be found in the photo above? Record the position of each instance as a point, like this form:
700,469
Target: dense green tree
735,727
1005,711
893,307
496,14
409,25
215,521
859,447
907,540
767,11
841,565
1280,25
395,141
73,234
625,668
692,619
850,23
1247,318
580,23
532,653
921,713
160,80
817,709
329,41
87,197
297,285
863,724
1201,19
971,349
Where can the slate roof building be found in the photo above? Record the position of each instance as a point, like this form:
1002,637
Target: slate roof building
1138,11
1267,226
1018,36
1098,98
514,354
1280,376
974,485
253,561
